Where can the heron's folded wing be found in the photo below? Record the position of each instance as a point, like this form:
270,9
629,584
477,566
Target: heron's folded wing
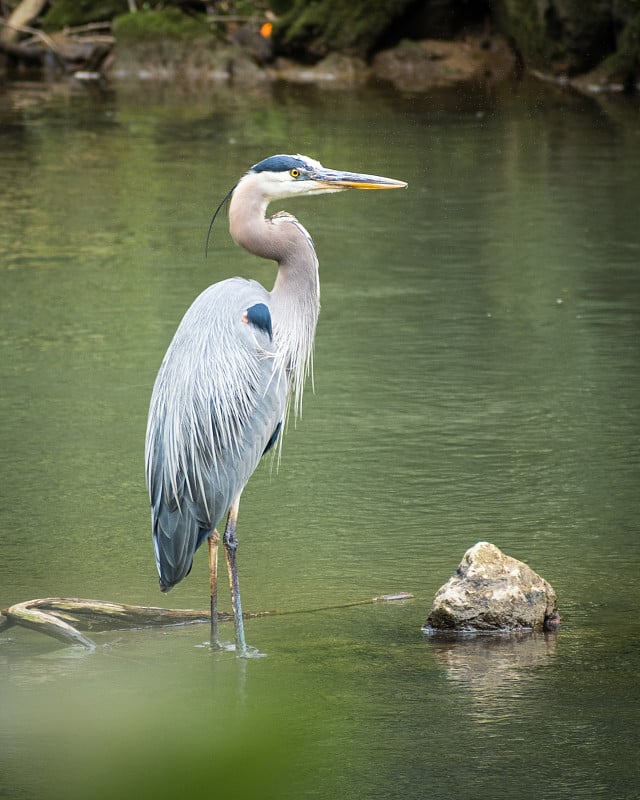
218,399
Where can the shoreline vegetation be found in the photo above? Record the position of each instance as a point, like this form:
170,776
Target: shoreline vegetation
591,45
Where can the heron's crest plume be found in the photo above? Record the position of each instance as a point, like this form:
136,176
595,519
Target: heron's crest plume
224,200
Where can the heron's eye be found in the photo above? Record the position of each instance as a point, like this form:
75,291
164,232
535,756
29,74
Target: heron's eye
295,173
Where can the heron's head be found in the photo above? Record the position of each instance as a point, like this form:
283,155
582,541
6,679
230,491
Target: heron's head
283,176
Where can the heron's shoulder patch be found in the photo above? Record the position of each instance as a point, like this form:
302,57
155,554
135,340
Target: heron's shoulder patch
259,316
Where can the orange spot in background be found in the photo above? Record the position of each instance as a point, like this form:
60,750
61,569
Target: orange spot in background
266,29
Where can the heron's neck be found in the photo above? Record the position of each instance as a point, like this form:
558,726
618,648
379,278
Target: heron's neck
295,302
296,293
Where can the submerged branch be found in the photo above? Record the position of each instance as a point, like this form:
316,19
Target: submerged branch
65,618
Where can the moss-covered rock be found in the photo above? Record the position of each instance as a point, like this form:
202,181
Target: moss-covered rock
168,23
168,45
69,13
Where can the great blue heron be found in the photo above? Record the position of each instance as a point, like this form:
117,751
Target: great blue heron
237,359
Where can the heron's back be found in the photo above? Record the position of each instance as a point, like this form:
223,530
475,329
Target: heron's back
218,399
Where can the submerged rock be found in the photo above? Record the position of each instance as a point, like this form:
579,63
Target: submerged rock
491,591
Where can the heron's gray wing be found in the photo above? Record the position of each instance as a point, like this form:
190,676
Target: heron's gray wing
218,400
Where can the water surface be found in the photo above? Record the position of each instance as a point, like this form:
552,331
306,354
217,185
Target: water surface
476,377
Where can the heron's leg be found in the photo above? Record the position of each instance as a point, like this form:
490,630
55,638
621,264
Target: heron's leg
213,541
230,541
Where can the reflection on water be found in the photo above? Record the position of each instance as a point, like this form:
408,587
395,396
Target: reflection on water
475,378
492,667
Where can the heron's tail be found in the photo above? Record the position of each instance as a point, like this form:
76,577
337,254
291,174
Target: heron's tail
176,536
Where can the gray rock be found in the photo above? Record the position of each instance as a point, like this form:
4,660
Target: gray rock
491,591
432,63
335,71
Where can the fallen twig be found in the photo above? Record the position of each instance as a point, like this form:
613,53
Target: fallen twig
34,32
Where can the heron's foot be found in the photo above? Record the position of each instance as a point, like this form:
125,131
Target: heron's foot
230,647
219,647
216,645
250,652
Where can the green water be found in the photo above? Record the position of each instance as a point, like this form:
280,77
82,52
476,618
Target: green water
476,377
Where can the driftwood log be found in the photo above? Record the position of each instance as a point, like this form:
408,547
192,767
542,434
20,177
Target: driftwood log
73,50
65,618
22,15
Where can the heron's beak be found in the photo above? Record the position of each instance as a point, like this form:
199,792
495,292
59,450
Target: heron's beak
333,179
